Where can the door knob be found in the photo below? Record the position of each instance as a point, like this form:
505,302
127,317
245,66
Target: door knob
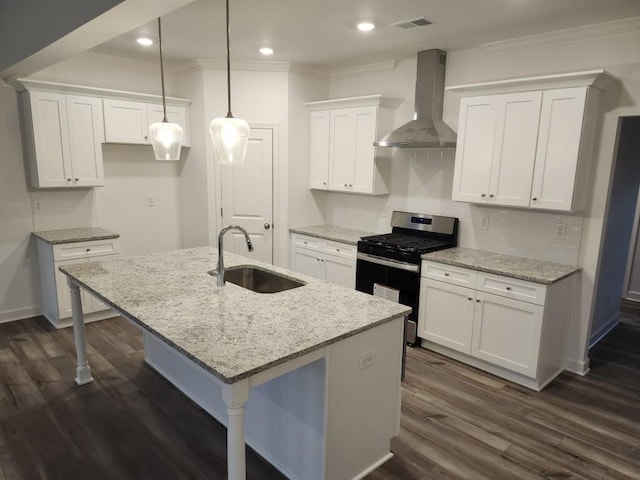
268,226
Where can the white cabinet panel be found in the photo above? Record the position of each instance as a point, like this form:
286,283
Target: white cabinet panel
319,155
447,314
561,126
64,293
507,333
86,135
333,262
126,122
342,154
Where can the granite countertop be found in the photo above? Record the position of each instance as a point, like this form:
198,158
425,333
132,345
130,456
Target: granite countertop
230,331
333,232
509,266
71,235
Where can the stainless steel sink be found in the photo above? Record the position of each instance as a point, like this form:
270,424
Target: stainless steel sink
259,280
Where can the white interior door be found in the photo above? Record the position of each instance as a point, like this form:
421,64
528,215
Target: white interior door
247,197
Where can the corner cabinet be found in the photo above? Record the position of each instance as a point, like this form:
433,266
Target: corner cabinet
63,139
511,328
527,142
342,155
333,262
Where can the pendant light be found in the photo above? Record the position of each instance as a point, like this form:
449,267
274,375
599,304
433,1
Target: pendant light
166,137
229,135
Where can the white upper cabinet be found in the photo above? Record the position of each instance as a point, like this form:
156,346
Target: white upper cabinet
342,155
527,142
128,122
63,139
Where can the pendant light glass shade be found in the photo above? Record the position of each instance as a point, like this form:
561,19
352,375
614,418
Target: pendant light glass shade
166,137
229,135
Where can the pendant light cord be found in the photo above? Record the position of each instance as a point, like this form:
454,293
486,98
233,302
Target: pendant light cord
164,101
228,68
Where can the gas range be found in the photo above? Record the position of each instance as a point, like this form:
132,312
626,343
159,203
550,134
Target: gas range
413,234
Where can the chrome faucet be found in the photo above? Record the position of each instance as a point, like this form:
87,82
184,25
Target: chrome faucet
220,266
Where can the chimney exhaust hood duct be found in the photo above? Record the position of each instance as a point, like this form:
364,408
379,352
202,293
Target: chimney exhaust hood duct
426,130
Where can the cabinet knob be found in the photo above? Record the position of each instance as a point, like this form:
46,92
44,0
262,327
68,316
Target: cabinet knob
534,198
77,179
324,183
68,180
446,274
346,185
477,300
491,195
337,249
469,298
88,249
508,288
483,195
351,185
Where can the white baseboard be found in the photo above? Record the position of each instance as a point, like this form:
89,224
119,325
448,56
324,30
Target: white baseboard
579,367
20,314
603,330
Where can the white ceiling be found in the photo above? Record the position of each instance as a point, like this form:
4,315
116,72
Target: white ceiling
322,33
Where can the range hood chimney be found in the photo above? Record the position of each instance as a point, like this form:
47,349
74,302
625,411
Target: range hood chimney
426,130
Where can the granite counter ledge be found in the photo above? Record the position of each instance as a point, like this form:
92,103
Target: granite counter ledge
73,235
332,232
521,268
216,344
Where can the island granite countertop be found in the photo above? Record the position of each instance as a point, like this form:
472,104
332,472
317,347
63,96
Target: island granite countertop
72,235
332,232
230,331
536,271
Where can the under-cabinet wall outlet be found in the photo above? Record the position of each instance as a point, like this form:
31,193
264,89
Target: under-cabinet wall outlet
151,200
562,230
385,213
367,359
484,222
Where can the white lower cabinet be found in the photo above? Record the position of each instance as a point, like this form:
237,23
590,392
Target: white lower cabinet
55,293
333,262
511,328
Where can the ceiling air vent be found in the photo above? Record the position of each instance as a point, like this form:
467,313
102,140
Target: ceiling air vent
414,23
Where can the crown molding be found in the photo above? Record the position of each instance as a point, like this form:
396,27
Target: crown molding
373,68
614,28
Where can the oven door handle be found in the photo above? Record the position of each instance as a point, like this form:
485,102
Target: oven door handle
410,267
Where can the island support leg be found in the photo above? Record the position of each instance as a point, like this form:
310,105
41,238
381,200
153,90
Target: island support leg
83,372
235,396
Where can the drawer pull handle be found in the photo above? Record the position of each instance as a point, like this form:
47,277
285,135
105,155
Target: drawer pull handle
446,274
337,249
508,288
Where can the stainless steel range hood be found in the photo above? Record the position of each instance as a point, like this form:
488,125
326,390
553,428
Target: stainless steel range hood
426,130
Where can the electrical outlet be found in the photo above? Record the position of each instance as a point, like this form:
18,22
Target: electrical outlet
484,222
345,203
562,230
151,200
385,213
367,359
36,205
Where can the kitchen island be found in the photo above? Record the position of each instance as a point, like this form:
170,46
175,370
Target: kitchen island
317,367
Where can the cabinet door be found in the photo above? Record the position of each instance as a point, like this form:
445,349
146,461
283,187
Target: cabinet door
86,135
474,150
125,122
514,150
64,293
340,271
307,263
51,139
155,113
446,314
507,333
561,123
319,153
342,148
364,156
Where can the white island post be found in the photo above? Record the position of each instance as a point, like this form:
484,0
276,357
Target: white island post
315,370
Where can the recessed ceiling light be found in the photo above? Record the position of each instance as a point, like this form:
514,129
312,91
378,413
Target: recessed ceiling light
366,26
145,41
266,51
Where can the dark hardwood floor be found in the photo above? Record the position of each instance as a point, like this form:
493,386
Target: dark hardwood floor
457,422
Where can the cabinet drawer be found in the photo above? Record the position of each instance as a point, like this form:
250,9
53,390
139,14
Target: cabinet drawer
302,241
68,251
512,288
340,249
449,274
